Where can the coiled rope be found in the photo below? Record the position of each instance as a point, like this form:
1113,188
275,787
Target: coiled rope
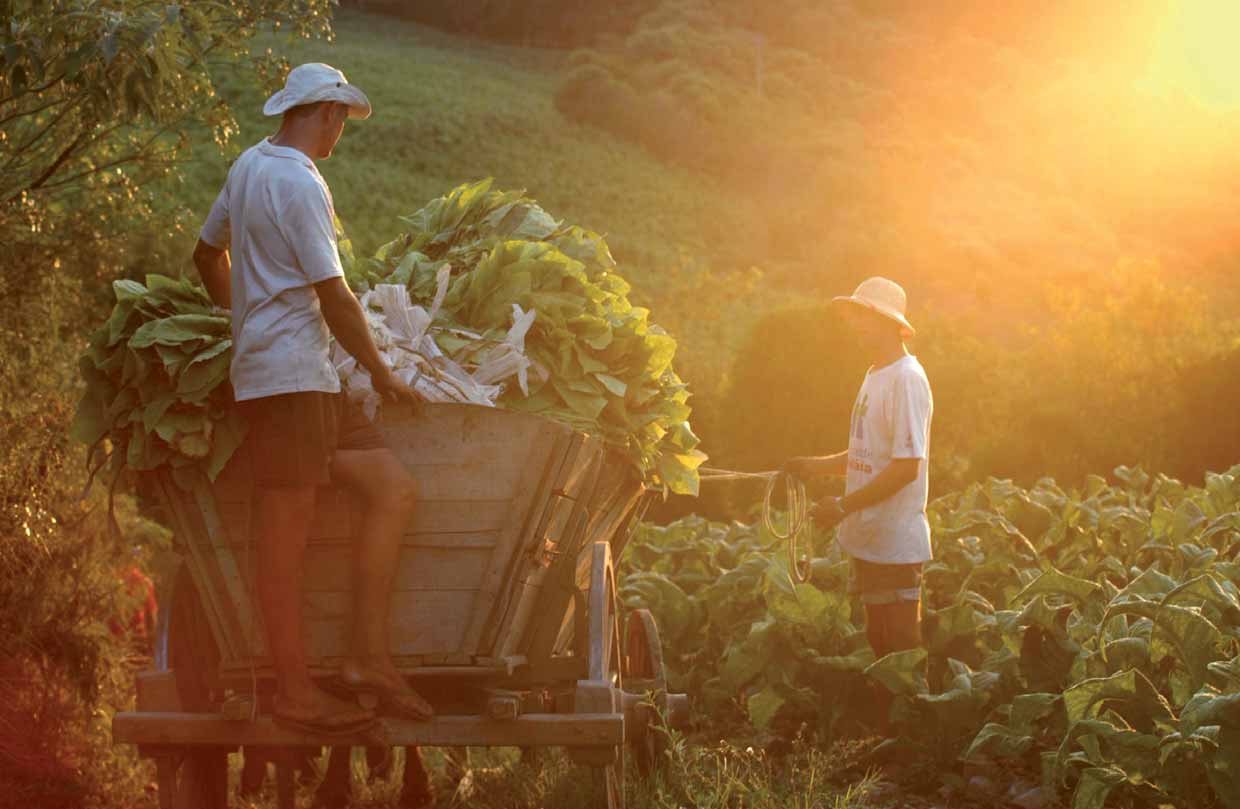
796,502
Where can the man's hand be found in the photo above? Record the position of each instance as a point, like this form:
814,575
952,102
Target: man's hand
828,513
393,389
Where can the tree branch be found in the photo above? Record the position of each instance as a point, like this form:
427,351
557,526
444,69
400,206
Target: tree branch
57,163
136,155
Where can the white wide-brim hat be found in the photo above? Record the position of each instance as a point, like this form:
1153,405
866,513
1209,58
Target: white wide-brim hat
883,296
314,82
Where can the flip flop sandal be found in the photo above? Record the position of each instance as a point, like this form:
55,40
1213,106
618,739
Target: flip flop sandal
390,702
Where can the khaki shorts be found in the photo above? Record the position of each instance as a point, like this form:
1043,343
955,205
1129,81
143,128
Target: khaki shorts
292,437
885,584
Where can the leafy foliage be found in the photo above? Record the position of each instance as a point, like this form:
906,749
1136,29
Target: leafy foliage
156,377
98,100
607,368
1092,634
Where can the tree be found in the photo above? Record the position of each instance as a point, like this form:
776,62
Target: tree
96,100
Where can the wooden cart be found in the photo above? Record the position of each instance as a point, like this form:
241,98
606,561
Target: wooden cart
505,614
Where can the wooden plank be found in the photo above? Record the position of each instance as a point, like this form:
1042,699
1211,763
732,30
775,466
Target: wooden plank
456,430
424,622
239,586
528,500
222,618
237,676
432,517
330,567
527,730
543,617
490,479
525,599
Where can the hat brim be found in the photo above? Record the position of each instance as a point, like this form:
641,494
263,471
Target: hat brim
347,94
906,328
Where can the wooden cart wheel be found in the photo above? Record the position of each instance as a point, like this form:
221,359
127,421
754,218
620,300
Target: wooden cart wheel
184,644
606,663
645,672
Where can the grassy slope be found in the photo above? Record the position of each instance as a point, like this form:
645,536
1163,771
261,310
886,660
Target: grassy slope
449,110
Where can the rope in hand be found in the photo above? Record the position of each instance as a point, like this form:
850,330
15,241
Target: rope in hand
796,501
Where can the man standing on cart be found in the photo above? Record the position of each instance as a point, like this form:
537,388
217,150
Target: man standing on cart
268,252
882,515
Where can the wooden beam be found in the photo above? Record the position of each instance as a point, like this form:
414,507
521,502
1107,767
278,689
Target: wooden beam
527,730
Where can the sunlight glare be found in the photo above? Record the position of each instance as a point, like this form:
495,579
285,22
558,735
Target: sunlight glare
1198,51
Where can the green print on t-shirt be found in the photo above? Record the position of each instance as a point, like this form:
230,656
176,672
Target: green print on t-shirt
858,416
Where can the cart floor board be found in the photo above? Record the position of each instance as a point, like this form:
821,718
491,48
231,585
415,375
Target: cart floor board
527,730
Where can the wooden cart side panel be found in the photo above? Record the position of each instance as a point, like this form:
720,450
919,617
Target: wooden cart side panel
191,533
505,457
467,463
571,486
614,498
239,584
564,453
532,490
610,519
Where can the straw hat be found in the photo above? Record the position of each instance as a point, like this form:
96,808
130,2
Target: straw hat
883,296
313,82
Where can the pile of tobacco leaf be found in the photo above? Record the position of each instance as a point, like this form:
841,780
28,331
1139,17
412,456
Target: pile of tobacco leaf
156,372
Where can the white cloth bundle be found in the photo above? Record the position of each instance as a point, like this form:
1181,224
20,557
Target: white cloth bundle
402,332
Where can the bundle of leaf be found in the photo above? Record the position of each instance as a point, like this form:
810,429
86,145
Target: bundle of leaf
604,367
156,377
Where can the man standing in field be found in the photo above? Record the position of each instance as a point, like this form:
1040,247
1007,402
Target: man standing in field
268,252
882,515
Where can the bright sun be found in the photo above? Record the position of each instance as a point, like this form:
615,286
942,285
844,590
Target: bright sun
1198,51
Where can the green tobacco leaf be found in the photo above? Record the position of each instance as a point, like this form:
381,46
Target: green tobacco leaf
763,706
615,386
1209,707
177,329
1182,633
204,375
1028,709
1052,582
998,740
1095,785
226,438
1137,697
856,662
679,471
193,445
901,673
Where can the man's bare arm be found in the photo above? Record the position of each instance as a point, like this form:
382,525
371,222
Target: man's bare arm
347,323
898,474
808,468
215,270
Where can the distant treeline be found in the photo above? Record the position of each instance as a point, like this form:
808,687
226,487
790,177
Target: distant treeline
541,23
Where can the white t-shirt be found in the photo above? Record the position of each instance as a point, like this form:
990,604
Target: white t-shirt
275,215
891,419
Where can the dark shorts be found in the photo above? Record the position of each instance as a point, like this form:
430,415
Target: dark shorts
885,584
292,437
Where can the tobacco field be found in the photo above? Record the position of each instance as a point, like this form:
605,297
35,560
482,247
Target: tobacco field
1086,638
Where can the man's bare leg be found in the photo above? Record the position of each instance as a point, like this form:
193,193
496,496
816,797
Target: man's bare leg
892,627
283,520
390,495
